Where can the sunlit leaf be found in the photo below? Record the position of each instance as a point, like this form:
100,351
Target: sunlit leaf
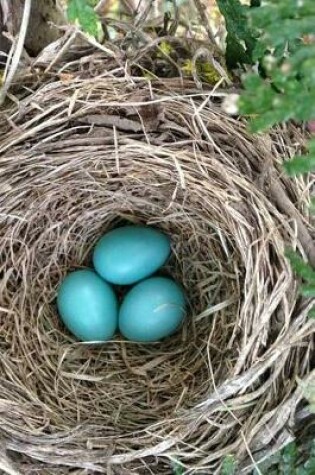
82,12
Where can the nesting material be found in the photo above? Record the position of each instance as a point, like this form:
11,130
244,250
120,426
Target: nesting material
87,149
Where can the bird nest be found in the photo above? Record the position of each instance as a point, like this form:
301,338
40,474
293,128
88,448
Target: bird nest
87,147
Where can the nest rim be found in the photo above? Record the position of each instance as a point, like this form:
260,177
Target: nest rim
153,179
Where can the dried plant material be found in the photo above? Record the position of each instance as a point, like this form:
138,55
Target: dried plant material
79,158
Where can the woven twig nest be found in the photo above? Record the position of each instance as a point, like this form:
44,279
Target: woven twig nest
81,154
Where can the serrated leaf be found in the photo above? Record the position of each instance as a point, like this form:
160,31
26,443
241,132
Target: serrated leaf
82,12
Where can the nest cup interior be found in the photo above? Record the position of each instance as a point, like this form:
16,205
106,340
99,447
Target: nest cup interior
200,183
128,385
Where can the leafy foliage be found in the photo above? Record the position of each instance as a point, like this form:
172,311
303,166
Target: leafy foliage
306,272
302,164
177,469
203,69
283,86
228,466
240,40
287,462
308,389
288,57
286,52
82,12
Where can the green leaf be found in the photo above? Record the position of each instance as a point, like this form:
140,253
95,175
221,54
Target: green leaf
304,270
267,466
311,314
291,29
300,164
308,290
82,12
228,465
177,469
308,468
283,88
308,390
289,458
240,40
287,67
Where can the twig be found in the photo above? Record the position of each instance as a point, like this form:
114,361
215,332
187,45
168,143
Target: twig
129,6
5,11
204,20
18,51
102,4
206,53
70,36
143,14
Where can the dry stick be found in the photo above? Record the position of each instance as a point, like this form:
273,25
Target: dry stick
143,14
18,51
130,6
70,37
287,207
204,20
174,26
101,6
5,10
204,52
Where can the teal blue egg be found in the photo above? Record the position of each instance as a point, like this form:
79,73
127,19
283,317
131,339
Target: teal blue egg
153,309
129,254
88,306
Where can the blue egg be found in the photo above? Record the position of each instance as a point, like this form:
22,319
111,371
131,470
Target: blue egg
131,253
88,306
152,310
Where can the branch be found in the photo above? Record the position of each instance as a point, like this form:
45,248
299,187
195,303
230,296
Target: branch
204,20
101,6
12,68
5,10
130,6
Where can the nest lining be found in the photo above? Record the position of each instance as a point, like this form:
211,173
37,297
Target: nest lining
79,158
